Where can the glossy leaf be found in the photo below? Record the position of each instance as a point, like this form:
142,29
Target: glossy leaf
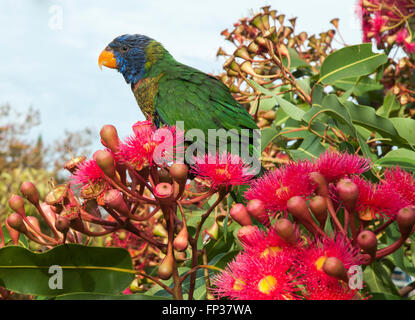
403,157
290,109
352,61
358,85
366,117
99,296
84,269
390,104
378,278
405,128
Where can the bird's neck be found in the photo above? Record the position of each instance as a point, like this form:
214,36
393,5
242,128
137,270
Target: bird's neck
157,59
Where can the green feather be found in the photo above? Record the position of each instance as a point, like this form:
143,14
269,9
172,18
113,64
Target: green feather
182,93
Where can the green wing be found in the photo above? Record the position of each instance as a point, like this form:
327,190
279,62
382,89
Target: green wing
200,101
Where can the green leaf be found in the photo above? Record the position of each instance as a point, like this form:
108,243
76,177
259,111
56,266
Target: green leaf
405,128
390,104
378,278
265,104
99,296
290,109
367,118
267,135
332,106
359,87
349,62
403,157
8,240
214,247
222,259
310,148
296,61
385,296
84,269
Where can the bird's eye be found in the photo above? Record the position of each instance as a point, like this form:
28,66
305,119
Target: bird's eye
124,48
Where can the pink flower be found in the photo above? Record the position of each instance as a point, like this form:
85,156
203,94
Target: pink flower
376,200
402,182
401,36
253,278
87,172
334,165
261,243
313,257
276,187
331,290
222,170
149,145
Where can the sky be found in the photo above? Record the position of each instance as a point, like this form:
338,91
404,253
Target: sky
50,49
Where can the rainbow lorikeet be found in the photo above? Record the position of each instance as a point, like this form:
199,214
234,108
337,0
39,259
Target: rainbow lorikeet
168,91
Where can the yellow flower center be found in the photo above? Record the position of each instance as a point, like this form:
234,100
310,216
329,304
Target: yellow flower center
267,284
149,146
366,215
238,285
281,190
319,262
223,172
270,251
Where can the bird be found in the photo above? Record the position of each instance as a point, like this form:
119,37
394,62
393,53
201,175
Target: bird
168,91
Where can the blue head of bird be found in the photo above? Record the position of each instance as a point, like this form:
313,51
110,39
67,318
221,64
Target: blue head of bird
127,54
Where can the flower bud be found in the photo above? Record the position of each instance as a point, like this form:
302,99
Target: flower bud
15,221
348,192
50,214
179,256
29,191
14,234
164,176
106,162
16,203
165,269
34,222
368,242
62,224
179,172
109,137
257,211
321,183
181,242
297,206
114,199
318,206
240,214
246,232
335,268
160,231
406,221
269,115
285,230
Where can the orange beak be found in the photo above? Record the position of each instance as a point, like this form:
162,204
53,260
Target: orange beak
107,59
